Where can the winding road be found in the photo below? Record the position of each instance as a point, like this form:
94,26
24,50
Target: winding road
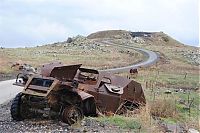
8,91
152,58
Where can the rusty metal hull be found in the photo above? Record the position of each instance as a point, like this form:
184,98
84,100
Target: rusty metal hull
87,90
109,94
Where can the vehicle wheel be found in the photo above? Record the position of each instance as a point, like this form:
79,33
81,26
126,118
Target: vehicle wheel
22,76
72,114
89,107
25,79
15,107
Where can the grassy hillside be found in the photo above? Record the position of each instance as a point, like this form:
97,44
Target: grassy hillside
116,34
171,85
81,50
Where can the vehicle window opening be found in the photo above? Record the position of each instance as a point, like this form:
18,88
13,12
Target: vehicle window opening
41,82
88,76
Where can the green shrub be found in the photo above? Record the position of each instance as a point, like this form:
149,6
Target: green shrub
122,121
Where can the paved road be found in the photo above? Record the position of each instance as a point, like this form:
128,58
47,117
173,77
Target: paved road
152,58
8,91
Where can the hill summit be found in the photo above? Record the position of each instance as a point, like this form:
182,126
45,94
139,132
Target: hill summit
156,38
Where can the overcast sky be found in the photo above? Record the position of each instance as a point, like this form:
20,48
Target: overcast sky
36,22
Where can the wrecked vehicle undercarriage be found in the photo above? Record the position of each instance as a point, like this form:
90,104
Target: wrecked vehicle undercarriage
70,92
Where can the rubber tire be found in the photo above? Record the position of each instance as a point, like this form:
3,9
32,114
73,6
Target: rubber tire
66,109
15,107
24,78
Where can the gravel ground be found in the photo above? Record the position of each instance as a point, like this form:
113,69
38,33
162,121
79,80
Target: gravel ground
90,125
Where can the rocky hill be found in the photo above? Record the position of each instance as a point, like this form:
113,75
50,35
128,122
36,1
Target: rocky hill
150,39
116,34
82,49
171,85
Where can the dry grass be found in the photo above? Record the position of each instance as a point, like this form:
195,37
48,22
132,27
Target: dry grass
163,108
93,56
192,123
145,117
168,73
108,34
141,121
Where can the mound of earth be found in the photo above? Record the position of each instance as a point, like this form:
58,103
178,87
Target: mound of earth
116,34
155,38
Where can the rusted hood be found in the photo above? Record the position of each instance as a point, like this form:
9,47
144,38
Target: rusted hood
47,68
65,73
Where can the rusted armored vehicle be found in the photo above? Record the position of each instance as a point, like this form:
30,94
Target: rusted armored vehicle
70,92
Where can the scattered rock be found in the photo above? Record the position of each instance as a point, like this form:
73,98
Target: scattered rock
165,39
168,92
181,101
138,40
69,40
186,107
192,131
90,125
193,56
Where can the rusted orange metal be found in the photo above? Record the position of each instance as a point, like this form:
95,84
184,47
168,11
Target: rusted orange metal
89,90
109,90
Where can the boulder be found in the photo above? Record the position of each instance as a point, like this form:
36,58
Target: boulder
191,130
69,40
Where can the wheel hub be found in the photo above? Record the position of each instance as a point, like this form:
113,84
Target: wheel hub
72,114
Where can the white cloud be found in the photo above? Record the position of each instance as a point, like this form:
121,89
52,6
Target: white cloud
1,21
54,19
29,1
96,25
45,28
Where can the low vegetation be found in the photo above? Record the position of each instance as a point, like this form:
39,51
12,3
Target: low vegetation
88,53
141,121
171,86
166,108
